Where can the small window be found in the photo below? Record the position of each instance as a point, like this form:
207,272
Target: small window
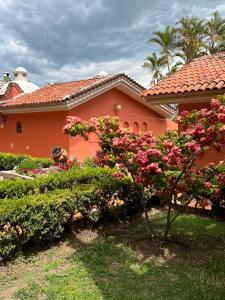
125,125
18,127
16,75
144,127
136,127
24,75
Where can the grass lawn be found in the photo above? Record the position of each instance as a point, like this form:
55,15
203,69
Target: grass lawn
119,262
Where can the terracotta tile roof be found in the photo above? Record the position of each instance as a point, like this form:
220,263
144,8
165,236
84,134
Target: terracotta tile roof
204,73
50,93
59,92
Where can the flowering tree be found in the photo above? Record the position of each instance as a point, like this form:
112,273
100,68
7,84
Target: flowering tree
166,166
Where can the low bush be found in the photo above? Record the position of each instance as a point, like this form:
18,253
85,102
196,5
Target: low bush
27,165
60,180
8,161
33,218
89,162
36,219
210,185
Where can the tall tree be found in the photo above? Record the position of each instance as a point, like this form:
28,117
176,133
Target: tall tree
167,41
191,37
155,64
191,34
215,33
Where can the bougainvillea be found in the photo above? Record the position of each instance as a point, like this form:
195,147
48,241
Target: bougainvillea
165,165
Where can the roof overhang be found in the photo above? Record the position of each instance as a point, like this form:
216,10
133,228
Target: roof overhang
182,98
70,101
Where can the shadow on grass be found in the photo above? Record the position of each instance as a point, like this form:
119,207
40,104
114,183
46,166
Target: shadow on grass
120,262
125,264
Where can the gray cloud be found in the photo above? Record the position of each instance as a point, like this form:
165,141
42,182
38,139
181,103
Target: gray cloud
66,39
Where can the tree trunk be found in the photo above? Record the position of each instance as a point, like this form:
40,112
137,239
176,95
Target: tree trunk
170,197
150,227
167,62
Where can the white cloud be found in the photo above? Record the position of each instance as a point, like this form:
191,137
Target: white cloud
64,40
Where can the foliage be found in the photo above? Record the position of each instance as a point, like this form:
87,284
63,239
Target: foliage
166,165
215,33
35,219
26,165
61,180
8,161
154,64
190,41
190,38
89,162
167,41
209,184
35,169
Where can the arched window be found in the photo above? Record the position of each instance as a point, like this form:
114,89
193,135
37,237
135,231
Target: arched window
135,127
19,127
125,125
144,127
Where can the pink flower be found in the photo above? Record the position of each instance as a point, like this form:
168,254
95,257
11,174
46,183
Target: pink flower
184,113
118,175
208,184
194,147
215,103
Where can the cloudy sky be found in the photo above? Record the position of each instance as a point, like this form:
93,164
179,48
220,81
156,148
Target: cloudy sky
60,40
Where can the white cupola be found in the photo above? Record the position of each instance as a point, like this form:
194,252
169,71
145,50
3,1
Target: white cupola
20,74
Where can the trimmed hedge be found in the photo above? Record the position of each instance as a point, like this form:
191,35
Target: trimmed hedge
60,180
8,161
33,219
36,219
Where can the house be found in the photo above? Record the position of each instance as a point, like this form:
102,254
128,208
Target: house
33,123
192,87
19,85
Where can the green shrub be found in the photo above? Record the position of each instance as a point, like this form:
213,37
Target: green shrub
27,165
35,219
89,162
8,161
60,180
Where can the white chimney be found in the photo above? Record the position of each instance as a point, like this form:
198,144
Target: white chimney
20,74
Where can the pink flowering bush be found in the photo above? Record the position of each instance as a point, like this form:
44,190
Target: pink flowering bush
68,165
165,166
35,172
209,184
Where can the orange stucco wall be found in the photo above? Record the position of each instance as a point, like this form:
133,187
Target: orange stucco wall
131,112
42,130
211,155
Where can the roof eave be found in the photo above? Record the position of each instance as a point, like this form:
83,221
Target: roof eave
187,97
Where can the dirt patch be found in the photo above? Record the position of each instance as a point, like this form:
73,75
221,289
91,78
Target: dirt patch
8,293
87,236
180,247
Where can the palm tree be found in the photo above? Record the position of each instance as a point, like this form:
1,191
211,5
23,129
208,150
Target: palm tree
176,66
215,33
166,40
155,65
190,40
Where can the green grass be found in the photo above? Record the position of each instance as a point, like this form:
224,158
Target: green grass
119,262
